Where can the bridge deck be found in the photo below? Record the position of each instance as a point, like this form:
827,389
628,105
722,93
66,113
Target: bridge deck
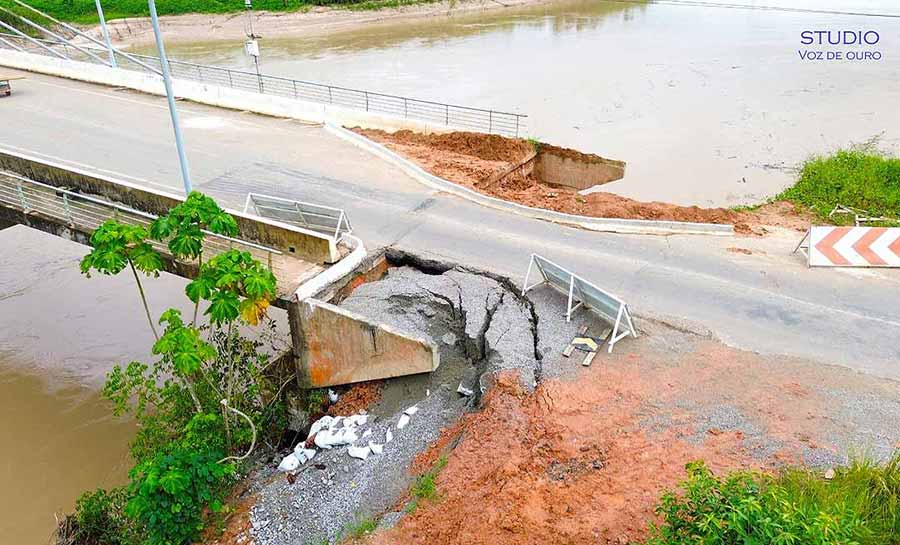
76,216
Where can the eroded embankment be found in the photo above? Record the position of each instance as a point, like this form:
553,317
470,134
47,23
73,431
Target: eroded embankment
475,160
584,461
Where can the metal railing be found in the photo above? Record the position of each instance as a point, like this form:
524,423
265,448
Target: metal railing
451,115
327,220
86,213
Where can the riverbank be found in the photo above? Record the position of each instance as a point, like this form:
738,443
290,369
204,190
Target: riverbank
305,20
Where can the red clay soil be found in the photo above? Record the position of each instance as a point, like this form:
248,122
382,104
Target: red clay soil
584,461
359,397
471,159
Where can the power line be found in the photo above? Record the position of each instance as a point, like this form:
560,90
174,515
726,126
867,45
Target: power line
694,3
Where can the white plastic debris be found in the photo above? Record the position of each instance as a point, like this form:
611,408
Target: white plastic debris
404,420
289,464
367,433
411,411
304,454
359,452
332,396
376,448
320,424
388,437
358,419
462,390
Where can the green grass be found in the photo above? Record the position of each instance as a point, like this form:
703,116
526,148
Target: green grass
858,178
859,505
84,11
425,487
360,528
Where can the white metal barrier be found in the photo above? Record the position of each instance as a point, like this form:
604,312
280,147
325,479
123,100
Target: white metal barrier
585,293
322,219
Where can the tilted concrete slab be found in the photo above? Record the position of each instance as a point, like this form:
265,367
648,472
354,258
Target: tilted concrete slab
342,347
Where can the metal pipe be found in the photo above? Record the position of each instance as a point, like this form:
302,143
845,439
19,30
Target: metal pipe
38,27
167,80
112,52
30,39
70,28
12,45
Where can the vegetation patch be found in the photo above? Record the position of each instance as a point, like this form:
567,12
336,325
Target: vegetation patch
85,11
857,505
207,400
858,178
425,487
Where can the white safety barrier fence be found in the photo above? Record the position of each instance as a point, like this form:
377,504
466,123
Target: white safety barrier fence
585,293
826,246
316,217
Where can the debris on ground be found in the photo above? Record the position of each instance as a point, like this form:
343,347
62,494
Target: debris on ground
473,160
543,467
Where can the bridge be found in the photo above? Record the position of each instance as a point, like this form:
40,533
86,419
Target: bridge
72,204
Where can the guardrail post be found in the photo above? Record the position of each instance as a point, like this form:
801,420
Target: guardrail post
517,126
199,72
67,209
330,98
490,121
446,114
405,107
259,77
230,82
270,261
22,196
367,100
295,87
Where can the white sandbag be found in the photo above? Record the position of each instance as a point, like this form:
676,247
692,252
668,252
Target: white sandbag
404,420
289,463
359,452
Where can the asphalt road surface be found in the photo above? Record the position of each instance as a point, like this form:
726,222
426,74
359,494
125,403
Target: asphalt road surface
768,302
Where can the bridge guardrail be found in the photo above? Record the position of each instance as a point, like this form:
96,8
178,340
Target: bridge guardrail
86,213
323,219
451,115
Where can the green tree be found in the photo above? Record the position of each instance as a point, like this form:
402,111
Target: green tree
116,246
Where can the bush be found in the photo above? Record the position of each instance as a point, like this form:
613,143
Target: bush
857,178
859,506
101,520
170,492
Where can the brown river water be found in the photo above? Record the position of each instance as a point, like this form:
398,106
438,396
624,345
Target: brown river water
708,105
59,334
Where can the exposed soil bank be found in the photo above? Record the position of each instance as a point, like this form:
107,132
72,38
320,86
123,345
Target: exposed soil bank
318,20
473,160
584,461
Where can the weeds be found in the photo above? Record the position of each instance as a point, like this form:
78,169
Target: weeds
360,528
859,505
425,487
859,178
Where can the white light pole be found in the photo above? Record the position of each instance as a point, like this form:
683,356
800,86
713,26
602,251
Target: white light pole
112,53
167,80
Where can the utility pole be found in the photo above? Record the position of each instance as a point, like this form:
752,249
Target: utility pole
251,46
167,80
112,53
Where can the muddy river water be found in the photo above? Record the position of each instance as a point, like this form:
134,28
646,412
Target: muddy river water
708,105
59,335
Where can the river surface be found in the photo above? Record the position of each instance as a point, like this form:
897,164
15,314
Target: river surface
59,335
708,105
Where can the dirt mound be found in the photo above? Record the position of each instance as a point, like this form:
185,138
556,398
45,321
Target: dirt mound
474,160
567,464
359,397
488,147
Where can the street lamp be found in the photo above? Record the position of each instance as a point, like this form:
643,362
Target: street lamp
167,80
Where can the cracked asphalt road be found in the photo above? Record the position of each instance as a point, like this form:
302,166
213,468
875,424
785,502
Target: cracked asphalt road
768,301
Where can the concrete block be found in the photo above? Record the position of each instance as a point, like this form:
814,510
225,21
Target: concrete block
342,347
570,168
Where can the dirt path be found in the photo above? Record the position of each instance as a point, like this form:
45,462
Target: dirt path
196,27
471,159
584,461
